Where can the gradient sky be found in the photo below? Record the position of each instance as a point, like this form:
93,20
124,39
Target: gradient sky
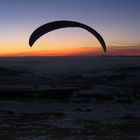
118,21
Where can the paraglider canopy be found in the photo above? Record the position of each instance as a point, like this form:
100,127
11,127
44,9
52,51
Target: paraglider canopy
63,24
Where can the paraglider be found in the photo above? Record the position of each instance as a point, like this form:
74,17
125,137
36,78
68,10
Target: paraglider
63,24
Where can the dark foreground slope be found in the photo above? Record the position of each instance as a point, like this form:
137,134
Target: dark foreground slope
85,98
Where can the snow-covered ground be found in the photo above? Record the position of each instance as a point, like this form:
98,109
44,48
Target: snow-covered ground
103,101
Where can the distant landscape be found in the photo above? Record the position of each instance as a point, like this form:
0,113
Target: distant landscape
70,97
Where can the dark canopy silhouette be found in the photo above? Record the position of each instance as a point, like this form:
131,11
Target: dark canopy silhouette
63,24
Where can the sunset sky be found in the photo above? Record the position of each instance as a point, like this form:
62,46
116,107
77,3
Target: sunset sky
118,21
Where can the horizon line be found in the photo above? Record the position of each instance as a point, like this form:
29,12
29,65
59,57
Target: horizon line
73,56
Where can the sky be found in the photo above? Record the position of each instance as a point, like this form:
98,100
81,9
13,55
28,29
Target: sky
116,20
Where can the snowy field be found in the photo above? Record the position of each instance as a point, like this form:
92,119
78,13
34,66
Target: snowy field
70,98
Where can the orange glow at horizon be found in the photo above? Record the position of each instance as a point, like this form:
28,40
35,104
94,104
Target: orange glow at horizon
68,42
83,51
70,51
